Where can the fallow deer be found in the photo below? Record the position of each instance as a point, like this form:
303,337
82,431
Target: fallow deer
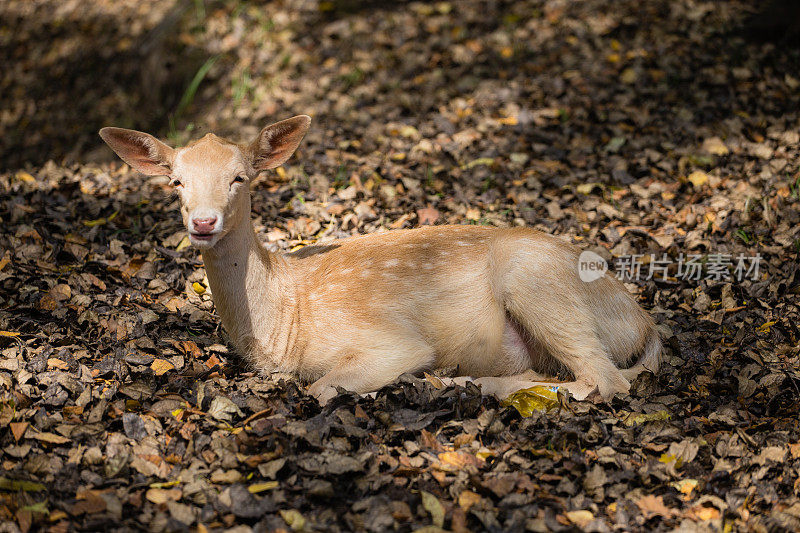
501,305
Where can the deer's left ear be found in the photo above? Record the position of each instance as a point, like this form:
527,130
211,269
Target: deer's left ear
140,150
276,143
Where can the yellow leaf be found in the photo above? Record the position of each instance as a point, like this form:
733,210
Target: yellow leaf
765,327
185,243
433,380
24,176
281,172
100,221
698,178
198,288
509,121
706,513
261,487
432,504
580,518
488,161
587,188
634,419
161,367
409,132
536,398
4,261
484,453
16,485
57,515
164,484
685,486
715,146
668,458
9,333
628,76
467,499
399,156
293,519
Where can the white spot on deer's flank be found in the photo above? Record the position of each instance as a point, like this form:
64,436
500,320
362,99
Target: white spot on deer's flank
345,270
462,243
391,263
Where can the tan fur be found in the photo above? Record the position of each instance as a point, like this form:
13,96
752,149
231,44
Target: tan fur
505,305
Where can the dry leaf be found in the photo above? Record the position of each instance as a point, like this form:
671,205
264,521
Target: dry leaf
159,496
715,146
261,487
685,486
467,499
698,178
455,461
161,367
654,506
18,429
702,512
580,518
427,215
50,438
432,504
293,519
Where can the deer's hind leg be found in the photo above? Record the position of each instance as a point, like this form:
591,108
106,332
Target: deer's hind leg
551,308
568,337
366,369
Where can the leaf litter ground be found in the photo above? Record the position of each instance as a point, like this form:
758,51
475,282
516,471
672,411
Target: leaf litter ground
635,128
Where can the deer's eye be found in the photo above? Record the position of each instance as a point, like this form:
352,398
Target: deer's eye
238,179
175,182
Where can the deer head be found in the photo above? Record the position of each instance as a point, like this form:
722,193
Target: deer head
212,175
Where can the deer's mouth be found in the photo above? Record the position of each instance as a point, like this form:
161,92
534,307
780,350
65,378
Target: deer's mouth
204,240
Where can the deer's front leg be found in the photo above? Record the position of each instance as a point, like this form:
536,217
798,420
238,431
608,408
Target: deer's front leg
369,370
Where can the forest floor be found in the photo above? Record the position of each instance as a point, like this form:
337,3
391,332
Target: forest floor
628,128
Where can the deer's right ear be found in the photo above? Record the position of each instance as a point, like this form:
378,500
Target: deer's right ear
276,143
141,151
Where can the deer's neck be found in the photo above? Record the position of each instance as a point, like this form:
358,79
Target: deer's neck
247,292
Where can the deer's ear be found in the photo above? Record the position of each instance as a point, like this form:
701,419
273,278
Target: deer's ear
276,143
140,150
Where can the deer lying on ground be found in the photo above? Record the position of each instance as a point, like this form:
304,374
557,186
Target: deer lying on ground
503,305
